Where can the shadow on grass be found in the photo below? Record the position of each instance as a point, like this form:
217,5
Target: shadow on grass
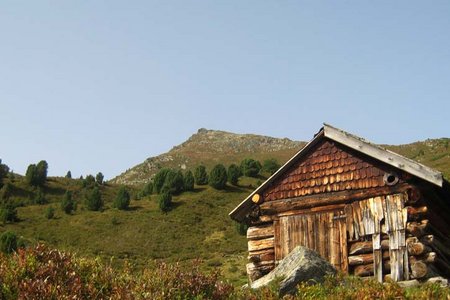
235,189
176,204
198,189
134,208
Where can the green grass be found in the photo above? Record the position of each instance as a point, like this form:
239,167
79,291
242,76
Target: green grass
197,227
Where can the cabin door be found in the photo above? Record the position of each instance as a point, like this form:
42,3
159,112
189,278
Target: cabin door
324,232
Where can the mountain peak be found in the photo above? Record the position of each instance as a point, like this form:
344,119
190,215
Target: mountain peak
210,147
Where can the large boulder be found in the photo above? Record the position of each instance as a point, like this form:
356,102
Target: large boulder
301,265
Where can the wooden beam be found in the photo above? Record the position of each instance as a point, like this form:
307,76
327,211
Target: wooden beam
310,201
257,199
260,232
366,247
417,249
254,245
417,229
419,269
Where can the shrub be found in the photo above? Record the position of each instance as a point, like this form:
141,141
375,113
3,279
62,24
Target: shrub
218,177
270,166
43,273
200,175
69,174
8,242
241,228
6,191
250,167
148,189
189,181
4,169
165,201
233,174
39,198
89,181
8,213
50,212
94,200
122,200
67,203
159,179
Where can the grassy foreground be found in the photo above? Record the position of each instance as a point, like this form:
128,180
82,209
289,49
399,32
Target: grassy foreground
44,273
197,227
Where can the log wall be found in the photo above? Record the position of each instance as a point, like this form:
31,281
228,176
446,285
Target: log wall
385,237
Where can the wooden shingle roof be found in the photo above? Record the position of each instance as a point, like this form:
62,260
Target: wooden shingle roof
356,143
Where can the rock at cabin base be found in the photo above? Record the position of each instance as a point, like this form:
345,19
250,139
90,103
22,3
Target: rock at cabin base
301,265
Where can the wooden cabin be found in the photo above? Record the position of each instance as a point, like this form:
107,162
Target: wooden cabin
367,210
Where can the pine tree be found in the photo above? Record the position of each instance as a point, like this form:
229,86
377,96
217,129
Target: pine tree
122,200
99,178
174,182
148,189
218,177
270,166
94,200
41,172
234,172
31,175
67,203
250,167
200,175
4,169
159,179
165,201
189,181
69,174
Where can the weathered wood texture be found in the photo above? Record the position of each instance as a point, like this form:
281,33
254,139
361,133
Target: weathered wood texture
260,232
329,167
324,232
261,250
316,202
364,220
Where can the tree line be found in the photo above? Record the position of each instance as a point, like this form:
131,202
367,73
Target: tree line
168,182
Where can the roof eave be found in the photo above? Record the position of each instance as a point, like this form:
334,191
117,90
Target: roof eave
396,160
236,214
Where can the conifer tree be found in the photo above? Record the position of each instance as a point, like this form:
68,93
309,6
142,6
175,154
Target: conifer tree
67,203
189,181
234,172
94,200
200,175
122,200
218,177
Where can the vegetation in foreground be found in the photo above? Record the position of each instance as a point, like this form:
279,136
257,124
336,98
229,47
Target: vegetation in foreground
44,273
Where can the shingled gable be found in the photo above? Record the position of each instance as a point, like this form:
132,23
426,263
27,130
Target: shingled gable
356,143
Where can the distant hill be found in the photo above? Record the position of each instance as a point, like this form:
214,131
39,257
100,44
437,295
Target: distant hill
210,147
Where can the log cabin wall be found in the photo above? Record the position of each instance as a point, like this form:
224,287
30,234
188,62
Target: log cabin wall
347,207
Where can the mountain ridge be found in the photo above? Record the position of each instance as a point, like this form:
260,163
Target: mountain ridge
209,147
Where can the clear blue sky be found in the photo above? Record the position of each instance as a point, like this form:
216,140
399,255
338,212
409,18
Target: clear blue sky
101,85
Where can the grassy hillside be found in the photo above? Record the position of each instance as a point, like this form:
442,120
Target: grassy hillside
434,153
198,226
